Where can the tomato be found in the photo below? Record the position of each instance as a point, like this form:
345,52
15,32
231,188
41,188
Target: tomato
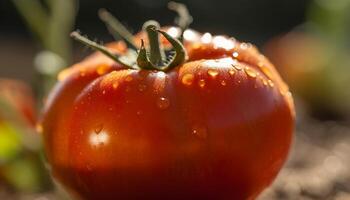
218,125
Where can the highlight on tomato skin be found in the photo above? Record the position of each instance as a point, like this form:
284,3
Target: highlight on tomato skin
217,126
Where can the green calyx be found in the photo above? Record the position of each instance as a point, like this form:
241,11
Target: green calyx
155,57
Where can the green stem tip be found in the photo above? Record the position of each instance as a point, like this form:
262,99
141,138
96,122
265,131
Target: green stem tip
77,36
116,28
157,53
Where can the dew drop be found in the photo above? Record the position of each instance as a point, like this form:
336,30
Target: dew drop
187,79
142,87
244,46
201,83
232,72
98,128
128,78
139,112
174,32
199,131
266,71
102,69
270,83
264,81
250,72
82,72
235,54
213,73
206,38
163,103
104,92
223,83
115,85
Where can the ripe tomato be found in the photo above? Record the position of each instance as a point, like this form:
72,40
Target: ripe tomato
217,126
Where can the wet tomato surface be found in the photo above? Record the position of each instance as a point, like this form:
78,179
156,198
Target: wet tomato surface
217,126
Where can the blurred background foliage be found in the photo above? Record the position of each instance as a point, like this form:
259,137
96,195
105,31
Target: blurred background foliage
308,40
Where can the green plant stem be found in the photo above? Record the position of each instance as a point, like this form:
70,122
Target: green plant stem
157,53
142,59
180,51
75,35
116,28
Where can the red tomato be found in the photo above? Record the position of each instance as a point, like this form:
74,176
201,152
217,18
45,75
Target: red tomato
218,126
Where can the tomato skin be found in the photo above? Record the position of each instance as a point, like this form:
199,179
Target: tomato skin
204,130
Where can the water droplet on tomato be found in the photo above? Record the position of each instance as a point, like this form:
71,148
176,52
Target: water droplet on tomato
102,69
104,92
98,128
223,82
190,35
232,72
142,87
82,72
223,42
244,46
266,71
201,83
115,85
128,78
174,32
163,103
99,139
213,73
270,83
250,72
206,38
235,54
264,81
187,79
199,131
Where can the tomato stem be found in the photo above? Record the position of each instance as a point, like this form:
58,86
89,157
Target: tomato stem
116,28
75,35
156,58
156,54
184,18
180,52
142,59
